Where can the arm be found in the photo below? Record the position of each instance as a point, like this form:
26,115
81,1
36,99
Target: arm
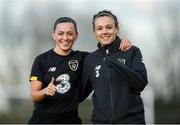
38,94
86,87
136,75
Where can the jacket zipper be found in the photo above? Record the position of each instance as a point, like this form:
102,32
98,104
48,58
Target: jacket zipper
111,95
110,89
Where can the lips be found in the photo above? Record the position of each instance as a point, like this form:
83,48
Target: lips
65,43
105,37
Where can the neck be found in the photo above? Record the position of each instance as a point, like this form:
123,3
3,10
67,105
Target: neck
62,52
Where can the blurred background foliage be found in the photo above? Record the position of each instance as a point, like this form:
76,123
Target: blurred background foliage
152,25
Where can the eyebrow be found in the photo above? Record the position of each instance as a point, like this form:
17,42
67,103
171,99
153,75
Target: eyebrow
105,25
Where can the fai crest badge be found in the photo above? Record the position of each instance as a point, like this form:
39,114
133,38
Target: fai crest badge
63,84
73,65
121,60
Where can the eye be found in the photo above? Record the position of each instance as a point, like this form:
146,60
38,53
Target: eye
60,33
98,28
70,33
109,27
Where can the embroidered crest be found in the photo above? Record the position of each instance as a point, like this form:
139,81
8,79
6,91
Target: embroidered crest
63,84
121,60
73,65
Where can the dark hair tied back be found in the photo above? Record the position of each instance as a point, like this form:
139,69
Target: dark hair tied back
105,13
64,20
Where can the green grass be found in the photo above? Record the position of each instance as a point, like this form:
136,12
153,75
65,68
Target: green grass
85,110
21,109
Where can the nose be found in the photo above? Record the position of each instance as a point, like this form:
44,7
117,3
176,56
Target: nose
65,37
104,31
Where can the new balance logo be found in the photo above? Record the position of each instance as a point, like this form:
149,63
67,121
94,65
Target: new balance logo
52,69
97,68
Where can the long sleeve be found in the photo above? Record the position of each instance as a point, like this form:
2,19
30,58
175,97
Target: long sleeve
86,87
136,75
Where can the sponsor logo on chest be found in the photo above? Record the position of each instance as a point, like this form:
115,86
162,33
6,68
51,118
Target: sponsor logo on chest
63,83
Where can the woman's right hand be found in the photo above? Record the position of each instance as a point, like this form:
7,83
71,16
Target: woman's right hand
50,89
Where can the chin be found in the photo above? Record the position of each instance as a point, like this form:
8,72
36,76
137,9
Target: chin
106,43
66,49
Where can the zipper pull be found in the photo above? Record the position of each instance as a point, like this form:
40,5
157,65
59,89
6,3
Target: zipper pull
104,59
107,52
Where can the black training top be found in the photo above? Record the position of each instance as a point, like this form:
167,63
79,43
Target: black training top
67,71
117,79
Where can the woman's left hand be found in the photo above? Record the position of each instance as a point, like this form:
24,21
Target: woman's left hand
125,45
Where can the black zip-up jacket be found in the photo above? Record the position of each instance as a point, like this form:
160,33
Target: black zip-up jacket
117,79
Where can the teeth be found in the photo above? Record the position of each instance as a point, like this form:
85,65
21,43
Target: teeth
65,43
105,37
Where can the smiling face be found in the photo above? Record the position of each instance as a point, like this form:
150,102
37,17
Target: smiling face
105,30
64,36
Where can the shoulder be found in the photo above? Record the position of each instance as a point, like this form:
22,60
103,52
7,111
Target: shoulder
82,54
44,55
133,49
95,53
92,55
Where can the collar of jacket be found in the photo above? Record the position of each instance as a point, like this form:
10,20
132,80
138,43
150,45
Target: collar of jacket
112,48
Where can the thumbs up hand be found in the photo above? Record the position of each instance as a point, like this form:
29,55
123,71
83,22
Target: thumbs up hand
51,88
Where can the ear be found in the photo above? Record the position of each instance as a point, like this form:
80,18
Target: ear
118,29
93,30
76,37
53,35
